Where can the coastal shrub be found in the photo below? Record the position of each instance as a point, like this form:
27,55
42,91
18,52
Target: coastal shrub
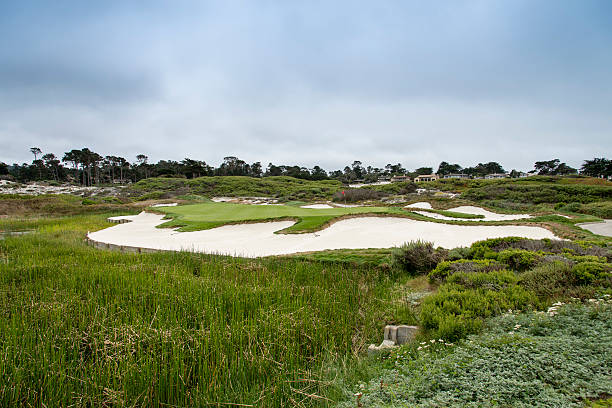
549,281
454,311
519,259
571,207
358,194
447,268
601,209
416,257
588,272
458,253
491,280
487,248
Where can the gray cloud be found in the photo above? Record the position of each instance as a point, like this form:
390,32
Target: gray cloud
310,83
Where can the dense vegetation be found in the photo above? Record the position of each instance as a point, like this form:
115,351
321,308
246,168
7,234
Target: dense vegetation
284,188
79,326
556,359
86,327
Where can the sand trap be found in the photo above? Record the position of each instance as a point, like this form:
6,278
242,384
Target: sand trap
317,206
347,205
165,205
599,228
488,215
423,204
254,240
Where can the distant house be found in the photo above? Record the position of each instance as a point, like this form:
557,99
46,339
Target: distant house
384,178
457,176
496,176
426,177
400,178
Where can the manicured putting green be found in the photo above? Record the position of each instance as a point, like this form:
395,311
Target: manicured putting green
202,216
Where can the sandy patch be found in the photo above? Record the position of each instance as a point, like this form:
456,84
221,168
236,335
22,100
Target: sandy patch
422,204
347,205
488,215
599,228
317,206
165,205
254,240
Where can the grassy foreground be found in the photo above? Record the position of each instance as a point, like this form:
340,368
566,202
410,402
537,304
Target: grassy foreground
84,327
210,215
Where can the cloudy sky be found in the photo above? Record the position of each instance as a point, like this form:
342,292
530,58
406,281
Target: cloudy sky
309,82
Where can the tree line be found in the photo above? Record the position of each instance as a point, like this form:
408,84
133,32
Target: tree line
86,167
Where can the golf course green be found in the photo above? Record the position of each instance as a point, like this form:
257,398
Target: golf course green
195,217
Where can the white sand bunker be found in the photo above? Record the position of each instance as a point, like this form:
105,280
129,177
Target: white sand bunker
317,206
165,205
599,228
422,204
254,240
488,215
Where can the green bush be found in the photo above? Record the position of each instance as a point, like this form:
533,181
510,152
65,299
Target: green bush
416,257
588,272
571,207
458,253
88,201
491,280
552,280
447,268
601,209
454,312
519,259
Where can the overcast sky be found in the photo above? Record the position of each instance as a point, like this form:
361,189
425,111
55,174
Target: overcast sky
309,82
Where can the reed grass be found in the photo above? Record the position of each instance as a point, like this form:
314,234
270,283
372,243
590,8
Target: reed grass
84,327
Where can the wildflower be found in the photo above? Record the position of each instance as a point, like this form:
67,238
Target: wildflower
423,342
432,341
441,341
419,348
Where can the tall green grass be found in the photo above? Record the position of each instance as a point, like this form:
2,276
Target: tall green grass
80,326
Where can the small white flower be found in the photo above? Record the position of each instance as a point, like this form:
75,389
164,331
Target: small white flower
419,348
432,341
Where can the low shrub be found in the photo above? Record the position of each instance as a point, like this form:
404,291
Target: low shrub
358,194
492,280
454,311
549,281
586,273
601,209
416,257
447,268
519,259
485,249
571,207
458,253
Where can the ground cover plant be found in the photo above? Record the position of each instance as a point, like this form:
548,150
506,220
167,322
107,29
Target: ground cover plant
560,358
210,215
84,327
